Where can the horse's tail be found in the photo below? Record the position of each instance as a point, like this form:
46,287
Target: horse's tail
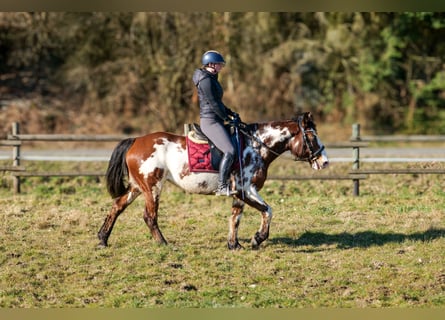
117,171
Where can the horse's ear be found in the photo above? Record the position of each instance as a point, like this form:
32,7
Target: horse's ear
307,118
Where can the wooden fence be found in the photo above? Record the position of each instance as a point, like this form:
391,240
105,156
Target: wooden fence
18,172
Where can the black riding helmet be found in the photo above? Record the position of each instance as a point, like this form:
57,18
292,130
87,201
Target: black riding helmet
212,56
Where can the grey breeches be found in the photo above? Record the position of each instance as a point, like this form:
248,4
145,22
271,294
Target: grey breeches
216,132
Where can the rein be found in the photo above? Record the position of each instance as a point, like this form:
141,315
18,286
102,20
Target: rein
259,141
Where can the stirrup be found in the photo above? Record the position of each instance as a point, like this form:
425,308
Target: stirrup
224,190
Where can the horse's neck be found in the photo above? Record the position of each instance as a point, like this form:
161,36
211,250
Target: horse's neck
270,139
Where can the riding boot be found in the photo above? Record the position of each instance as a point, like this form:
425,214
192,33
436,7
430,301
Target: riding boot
224,172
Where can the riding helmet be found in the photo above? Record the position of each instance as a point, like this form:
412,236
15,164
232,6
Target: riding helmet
212,56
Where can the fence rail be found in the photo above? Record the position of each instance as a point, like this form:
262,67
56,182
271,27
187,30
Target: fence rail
21,173
63,137
398,171
18,172
403,138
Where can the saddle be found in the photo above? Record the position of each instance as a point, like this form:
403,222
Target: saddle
196,134
203,155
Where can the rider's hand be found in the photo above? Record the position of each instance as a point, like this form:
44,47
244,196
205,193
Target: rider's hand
235,116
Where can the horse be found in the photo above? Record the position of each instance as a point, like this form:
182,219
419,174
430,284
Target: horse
141,165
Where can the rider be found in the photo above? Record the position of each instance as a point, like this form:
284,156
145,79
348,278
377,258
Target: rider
213,113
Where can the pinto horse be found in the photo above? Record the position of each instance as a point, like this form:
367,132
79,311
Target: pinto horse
142,165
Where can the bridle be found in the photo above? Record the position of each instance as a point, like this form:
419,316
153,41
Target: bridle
312,154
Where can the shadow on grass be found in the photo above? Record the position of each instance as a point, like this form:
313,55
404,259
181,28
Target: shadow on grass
360,239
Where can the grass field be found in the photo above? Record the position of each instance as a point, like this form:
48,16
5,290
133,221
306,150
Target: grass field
326,248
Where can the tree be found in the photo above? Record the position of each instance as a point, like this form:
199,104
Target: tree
132,71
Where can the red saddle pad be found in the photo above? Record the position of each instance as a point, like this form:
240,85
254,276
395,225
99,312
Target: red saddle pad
199,157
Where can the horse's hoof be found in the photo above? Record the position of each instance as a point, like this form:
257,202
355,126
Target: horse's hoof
255,244
102,245
257,240
235,246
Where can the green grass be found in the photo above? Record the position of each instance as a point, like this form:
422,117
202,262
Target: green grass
326,248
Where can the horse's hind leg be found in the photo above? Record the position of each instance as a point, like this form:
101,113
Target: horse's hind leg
119,205
234,221
151,215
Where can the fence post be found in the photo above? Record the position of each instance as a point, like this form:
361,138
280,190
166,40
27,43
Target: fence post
356,157
16,157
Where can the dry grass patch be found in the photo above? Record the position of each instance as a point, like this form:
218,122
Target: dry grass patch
326,248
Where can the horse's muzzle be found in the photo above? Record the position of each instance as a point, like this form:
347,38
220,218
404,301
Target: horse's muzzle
320,162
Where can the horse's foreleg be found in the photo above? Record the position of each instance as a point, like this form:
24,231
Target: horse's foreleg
234,221
254,199
119,205
263,233
151,217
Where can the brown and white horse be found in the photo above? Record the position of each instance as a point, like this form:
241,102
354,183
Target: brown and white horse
142,165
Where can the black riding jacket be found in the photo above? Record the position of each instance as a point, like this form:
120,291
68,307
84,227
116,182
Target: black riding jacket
210,95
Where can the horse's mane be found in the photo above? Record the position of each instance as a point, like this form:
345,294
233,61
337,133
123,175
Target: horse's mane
307,116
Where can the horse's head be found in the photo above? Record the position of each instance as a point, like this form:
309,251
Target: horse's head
305,144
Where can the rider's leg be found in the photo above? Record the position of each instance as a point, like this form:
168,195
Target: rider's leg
216,132
224,172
